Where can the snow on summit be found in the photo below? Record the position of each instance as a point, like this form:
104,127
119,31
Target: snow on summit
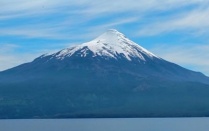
110,44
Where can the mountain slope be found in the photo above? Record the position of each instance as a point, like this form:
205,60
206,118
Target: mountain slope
110,76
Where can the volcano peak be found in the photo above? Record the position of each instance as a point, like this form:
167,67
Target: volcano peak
111,44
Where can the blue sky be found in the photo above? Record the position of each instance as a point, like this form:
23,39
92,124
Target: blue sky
176,30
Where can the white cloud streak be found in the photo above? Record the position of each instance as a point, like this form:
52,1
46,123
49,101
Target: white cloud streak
91,6
10,57
89,10
195,21
193,56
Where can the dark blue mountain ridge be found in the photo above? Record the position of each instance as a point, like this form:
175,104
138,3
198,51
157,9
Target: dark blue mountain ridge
110,76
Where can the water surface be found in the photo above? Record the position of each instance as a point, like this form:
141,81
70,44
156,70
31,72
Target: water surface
120,124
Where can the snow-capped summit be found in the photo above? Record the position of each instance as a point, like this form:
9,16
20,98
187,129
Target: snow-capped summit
110,44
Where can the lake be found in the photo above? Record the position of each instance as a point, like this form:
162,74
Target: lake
117,124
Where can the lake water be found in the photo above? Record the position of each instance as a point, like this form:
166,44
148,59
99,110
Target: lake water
127,124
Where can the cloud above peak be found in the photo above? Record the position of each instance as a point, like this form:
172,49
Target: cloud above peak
149,16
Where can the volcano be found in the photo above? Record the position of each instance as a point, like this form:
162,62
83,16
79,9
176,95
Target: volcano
110,76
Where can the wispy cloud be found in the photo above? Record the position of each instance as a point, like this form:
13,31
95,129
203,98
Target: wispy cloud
194,21
73,13
10,56
90,6
51,30
193,56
